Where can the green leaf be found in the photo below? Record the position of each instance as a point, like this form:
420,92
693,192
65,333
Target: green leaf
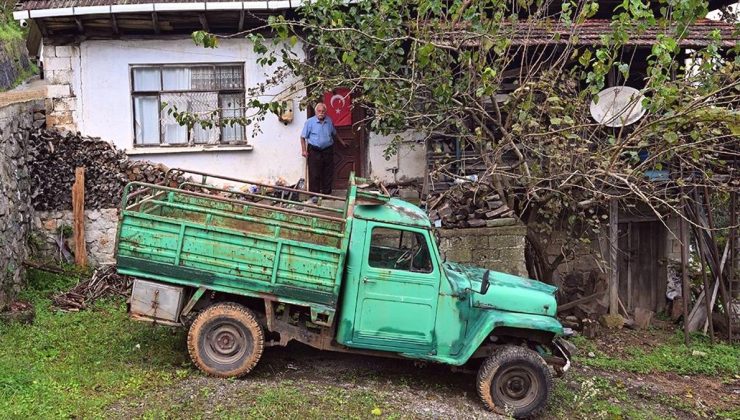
585,58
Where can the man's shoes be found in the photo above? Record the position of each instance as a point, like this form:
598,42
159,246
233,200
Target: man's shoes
312,200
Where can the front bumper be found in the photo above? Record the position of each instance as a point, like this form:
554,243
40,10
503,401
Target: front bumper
562,351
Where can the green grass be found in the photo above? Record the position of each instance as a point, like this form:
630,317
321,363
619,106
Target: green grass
720,359
588,397
74,364
82,364
87,363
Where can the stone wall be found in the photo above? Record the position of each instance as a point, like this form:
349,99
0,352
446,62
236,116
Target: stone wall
100,233
498,248
15,196
14,61
60,62
586,260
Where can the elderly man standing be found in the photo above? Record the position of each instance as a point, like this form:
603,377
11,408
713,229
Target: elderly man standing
317,145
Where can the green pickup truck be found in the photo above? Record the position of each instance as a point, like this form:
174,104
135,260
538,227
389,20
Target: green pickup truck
249,270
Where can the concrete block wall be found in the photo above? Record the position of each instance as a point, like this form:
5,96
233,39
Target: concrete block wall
15,196
498,248
60,64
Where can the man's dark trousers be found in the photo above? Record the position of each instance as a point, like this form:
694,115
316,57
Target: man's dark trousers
320,169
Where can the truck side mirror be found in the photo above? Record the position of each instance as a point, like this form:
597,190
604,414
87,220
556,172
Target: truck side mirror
486,282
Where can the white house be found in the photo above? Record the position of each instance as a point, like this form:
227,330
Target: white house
110,64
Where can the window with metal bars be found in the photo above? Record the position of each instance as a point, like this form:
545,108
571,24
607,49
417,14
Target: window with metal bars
208,91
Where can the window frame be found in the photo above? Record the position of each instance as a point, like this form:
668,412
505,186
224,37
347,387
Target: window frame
424,238
158,94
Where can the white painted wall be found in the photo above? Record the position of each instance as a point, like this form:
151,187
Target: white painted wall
100,82
104,109
407,164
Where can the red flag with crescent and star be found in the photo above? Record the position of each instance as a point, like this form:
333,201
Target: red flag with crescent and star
339,106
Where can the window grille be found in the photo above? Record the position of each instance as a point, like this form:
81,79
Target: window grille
209,91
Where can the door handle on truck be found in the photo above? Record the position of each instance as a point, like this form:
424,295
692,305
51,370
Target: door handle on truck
367,280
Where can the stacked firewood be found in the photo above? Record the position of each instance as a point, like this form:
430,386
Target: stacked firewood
469,204
105,282
54,156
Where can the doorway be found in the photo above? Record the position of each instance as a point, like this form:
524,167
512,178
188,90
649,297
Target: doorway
642,265
352,157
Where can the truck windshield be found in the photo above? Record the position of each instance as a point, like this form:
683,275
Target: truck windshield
399,250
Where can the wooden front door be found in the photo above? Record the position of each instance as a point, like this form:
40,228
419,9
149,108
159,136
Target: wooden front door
352,157
642,269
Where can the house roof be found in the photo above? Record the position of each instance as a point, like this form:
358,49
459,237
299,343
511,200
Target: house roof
700,34
54,4
57,4
78,16
590,32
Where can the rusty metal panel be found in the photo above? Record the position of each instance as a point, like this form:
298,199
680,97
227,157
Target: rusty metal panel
240,244
156,300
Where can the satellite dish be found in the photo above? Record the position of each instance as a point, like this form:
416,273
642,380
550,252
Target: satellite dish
618,106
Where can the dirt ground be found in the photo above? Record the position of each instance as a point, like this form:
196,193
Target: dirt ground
416,390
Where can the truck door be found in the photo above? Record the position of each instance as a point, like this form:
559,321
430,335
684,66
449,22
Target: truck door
398,288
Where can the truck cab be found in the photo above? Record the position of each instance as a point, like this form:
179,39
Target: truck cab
400,295
245,271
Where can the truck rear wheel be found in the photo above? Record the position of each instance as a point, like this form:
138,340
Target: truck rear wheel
225,340
515,381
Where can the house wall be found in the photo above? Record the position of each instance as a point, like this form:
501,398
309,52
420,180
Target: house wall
406,165
61,71
90,92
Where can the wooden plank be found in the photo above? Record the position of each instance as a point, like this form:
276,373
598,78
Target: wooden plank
78,212
585,299
613,250
204,22
80,26
155,23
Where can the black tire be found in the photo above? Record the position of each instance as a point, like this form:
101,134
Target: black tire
225,340
515,381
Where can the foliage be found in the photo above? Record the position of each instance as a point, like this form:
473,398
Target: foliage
673,356
439,68
10,30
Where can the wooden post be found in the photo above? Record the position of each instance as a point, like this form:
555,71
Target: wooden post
708,301
734,264
78,212
685,296
613,250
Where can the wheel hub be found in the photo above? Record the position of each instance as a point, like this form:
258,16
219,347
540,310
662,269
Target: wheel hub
516,386
226,343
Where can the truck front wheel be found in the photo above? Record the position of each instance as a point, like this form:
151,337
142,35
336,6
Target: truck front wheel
515,381
225,340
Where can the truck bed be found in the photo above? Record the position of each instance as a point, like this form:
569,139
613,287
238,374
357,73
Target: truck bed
233,242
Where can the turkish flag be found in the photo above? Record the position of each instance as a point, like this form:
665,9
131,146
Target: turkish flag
339,106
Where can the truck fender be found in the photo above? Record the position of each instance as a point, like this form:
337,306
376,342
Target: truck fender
492,319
